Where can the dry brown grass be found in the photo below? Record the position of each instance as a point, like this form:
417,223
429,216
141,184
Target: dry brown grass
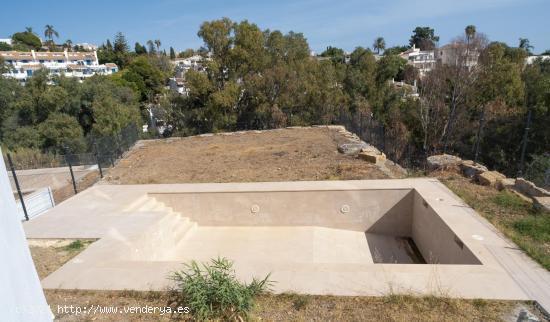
67,190
278,155
293,307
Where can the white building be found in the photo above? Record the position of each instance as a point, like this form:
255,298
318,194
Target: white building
177,83
531,59
458,54
87,46
6,40
71,64
424,60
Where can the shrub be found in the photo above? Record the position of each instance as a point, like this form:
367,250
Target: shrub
24,158
212,291
75,245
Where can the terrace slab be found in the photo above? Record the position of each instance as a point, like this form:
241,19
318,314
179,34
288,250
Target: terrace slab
314,237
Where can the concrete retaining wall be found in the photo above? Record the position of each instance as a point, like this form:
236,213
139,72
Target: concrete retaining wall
437,243
358,210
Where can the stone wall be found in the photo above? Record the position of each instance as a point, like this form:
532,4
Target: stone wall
483,176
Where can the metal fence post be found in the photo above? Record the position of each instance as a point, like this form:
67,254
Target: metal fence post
18,188
72,176
99,165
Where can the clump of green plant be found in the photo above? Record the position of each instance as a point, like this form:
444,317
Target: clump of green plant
75,245
212,291
538,227
509,200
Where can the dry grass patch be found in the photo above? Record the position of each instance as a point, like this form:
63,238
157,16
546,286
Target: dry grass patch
277,155
295,307
50,254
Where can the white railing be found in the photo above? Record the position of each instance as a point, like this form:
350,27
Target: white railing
36,203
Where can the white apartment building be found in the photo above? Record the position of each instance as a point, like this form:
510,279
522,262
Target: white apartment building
177,83
424,60
87,46
22,65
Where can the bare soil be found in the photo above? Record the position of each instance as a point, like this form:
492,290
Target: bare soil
276,155
67,191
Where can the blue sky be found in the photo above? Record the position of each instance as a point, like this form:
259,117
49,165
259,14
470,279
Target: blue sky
344,24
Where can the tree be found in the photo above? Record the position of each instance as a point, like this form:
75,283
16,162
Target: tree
29,29
5,47
525,45
146,77
139,49
389,67
337,55
424,38
470,32
498,88
151,46
379,45
120,43
28,39
68,44
172,53
49,33
158,43
62,133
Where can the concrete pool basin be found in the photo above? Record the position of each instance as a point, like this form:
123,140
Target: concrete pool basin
329,237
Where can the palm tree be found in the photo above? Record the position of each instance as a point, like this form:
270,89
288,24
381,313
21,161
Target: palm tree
379,44
29,29
151,46
68,44
525,44
157,43
49,32
470,31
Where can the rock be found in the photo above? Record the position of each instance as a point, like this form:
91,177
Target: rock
530,189
525,316
352,148
471,169
442,161
336,127
372,157
506,183
489,178
542,203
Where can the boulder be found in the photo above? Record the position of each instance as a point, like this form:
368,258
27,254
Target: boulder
352,148
471,169
505,183
490,178
442,161
542,203
335,127
530,189
372,157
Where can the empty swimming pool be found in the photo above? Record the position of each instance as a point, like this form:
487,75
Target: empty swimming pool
334,237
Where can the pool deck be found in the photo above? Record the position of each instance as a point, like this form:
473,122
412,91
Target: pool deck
133,229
